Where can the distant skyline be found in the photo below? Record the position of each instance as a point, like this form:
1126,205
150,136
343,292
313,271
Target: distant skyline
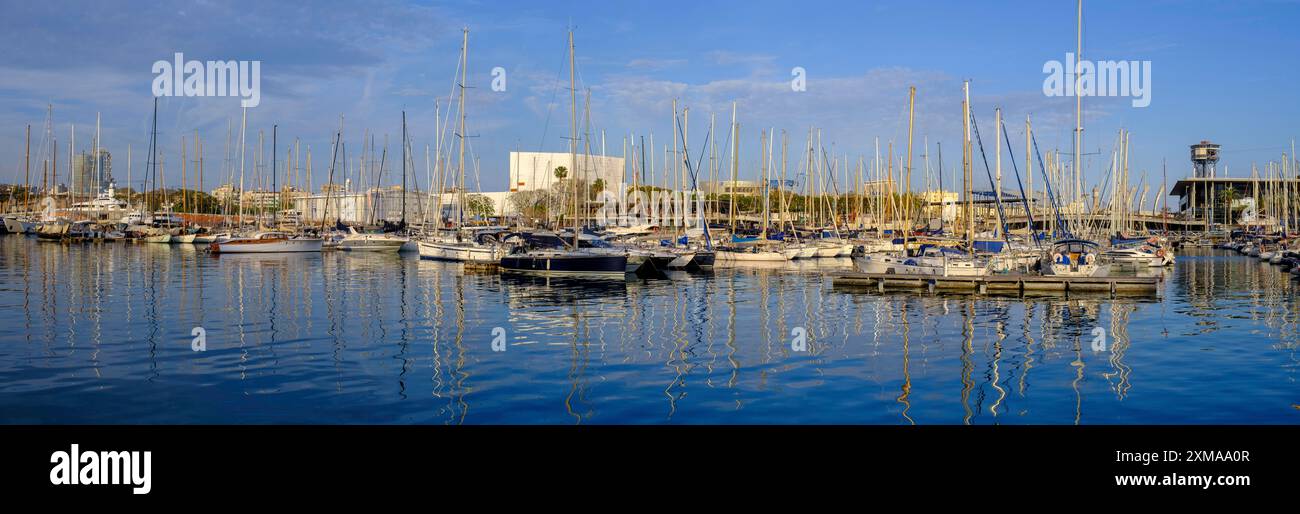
1223,71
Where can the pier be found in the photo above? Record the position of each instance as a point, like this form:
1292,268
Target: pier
1001,284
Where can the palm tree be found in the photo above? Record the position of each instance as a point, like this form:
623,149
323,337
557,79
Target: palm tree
1229,196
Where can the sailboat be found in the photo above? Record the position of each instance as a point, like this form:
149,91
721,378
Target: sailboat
383,241
741,248
462,244
270,241
541,255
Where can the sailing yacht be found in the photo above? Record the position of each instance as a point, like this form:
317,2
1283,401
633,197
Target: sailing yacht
547,253
268,242
570,258
1072,258
464,245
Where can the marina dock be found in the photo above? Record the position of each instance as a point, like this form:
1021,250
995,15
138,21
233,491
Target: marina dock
1001,284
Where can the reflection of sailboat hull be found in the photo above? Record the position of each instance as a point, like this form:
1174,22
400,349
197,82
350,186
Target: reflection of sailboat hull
268,245
703,259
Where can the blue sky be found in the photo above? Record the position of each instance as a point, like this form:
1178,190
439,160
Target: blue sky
1223,71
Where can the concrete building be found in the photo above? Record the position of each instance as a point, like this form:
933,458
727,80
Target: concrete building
536,170
740,187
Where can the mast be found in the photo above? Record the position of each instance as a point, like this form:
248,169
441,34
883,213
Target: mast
573,136
911,112
404,157
95,179
27,181
966,164
997,173
1078,98
735,164
243,127
153,153
464,61
184,171
329,183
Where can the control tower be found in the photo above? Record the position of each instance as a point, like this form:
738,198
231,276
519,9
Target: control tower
1205,158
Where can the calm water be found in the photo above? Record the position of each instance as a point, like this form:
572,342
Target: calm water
102,334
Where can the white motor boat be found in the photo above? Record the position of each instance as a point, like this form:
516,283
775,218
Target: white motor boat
1144,255
19,225
364,242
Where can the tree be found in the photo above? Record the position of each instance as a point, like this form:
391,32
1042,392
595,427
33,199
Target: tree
533,204
479,205
561,172
1230,196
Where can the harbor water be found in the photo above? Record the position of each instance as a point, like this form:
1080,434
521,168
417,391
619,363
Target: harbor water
109,333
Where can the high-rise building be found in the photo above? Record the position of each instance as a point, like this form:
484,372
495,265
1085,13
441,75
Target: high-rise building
84,180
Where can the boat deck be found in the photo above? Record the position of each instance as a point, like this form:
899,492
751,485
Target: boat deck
1001,284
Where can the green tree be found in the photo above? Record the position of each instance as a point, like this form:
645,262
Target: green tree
561,172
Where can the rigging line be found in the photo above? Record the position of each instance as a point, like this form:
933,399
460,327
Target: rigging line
1051,197
1029,213
1002,218
708,240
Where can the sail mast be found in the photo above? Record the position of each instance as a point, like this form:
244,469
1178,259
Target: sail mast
911,112
464,61
573,136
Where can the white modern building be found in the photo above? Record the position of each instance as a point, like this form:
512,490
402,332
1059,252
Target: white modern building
536,170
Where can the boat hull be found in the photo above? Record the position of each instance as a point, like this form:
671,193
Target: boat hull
559,264
749,256
462,252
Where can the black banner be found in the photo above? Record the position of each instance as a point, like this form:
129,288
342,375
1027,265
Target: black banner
326,463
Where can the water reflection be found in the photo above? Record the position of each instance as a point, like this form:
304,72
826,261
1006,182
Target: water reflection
103,333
